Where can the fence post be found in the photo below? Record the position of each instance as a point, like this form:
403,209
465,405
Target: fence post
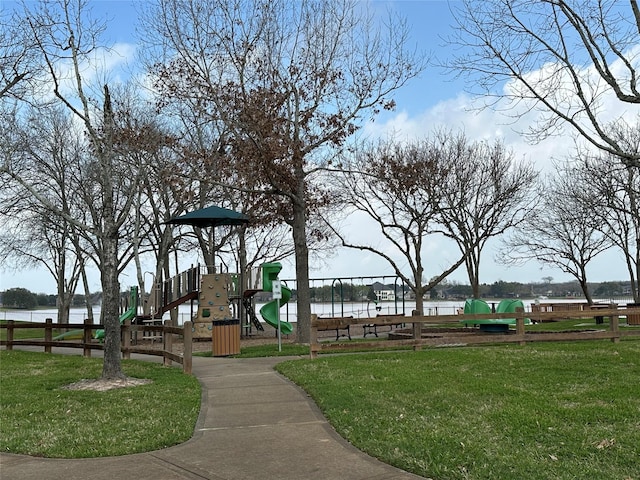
125,331
313,337
48,335
167,340
10,324
417,330
86,338
520,325
614,325
187,358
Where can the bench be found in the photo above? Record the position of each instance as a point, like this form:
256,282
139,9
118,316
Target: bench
348,334
372,328
148,335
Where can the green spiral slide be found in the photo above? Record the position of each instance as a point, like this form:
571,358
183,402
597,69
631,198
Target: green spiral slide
269,311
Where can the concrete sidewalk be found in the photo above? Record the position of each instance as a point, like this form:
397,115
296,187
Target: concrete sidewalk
253,424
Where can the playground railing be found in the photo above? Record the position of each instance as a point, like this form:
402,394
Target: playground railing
417,337
87,343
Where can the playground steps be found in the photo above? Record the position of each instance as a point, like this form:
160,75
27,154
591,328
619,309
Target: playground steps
248,307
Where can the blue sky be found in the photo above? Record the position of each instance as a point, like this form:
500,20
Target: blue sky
433,100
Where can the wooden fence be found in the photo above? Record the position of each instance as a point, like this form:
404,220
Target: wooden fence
469,336
129,340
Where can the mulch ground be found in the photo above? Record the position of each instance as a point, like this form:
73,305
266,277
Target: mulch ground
256,338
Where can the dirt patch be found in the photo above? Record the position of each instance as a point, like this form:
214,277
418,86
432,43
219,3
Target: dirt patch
102,385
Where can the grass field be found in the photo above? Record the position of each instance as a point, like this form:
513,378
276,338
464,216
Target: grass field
558,410
545,410
22,333
39,417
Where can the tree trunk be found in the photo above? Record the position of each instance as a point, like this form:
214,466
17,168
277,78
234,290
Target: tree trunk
472,261
633,280
207,246
61,301
64,301
634,277
87,294
111,368
419,310
83,274
303,330
585,290
243,281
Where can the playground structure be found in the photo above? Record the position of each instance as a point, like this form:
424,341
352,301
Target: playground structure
355,297
216,305
171,293
475,306
213,303
224,306
359,297
214,319
219,298
270,311
130,313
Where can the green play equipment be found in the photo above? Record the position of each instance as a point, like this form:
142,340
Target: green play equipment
129,314
269,311
510,306
475,306
70,335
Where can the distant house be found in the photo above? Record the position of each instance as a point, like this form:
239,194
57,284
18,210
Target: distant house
384,293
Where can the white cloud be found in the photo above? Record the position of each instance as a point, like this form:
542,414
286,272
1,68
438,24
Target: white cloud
458,112
104,65
461,113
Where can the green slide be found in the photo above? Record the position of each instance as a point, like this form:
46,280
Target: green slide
70,335
510,306
129,314
269,311
477,307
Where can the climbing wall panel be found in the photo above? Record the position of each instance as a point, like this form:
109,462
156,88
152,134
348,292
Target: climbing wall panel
215,320
213,304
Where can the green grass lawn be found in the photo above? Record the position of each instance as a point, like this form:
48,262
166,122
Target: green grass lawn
288,349
38,417
271,350
573,324
543,411
22,333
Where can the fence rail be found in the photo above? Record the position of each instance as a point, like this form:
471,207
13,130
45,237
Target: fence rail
129,336
466,336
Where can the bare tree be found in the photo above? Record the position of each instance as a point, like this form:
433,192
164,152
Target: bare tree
147,141
49,143
66,38
574,62
611,189
291,80
21,62
561,231
486,193
400,187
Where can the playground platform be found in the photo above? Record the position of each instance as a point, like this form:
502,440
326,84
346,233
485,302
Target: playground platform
253,424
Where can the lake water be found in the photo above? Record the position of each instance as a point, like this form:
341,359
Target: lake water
288,311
